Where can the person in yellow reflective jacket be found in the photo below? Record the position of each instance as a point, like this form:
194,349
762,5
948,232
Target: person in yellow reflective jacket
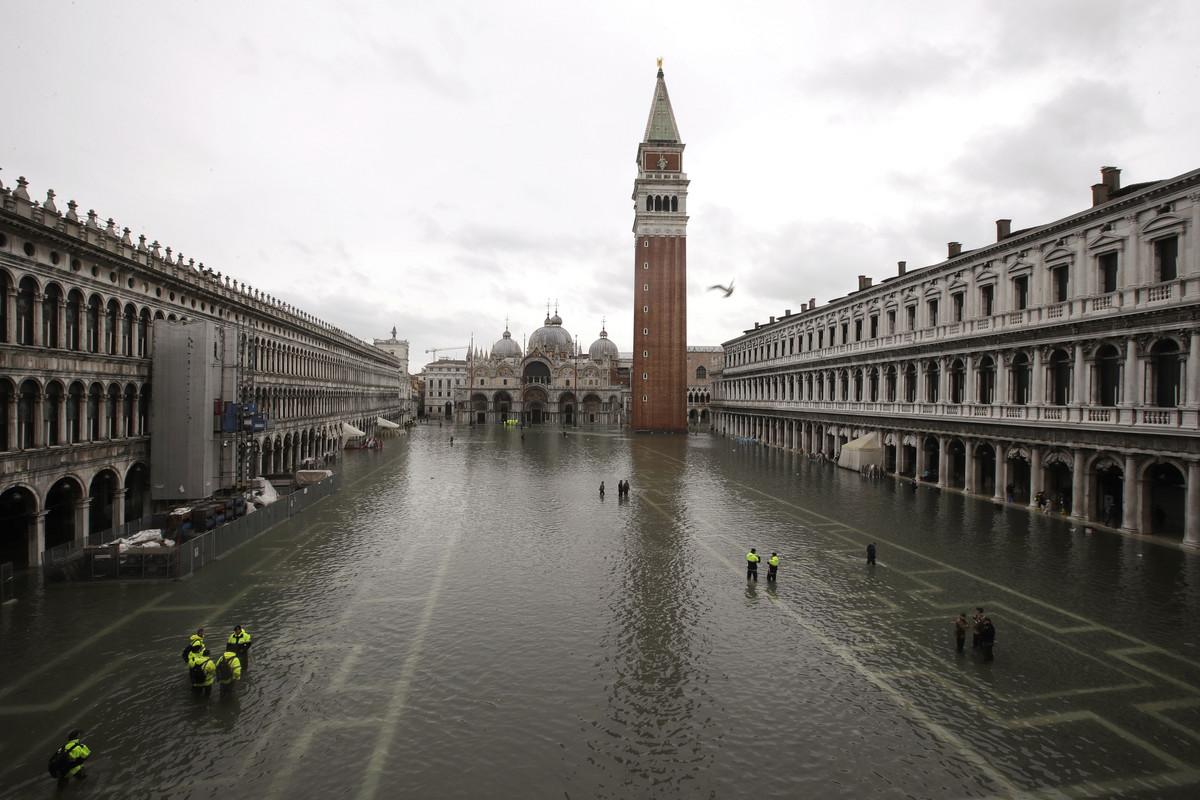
772,567
239,642
752,559
198,636
229,669
67,761
201,670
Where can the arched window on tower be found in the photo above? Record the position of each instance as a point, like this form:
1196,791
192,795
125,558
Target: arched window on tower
657,202
674,203
649,203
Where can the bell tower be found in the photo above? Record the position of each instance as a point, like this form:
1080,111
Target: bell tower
658,380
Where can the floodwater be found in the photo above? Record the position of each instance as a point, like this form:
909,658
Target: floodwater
475,621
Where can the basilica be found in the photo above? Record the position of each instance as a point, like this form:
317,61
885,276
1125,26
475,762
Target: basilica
551,382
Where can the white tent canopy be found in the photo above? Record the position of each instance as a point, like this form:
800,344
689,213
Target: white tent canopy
385,423
349,431
862,452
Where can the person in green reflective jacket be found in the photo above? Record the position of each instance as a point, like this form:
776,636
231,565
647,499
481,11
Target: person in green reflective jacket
198,636
752,559
239,642
201,670
73,754
772,567
228,670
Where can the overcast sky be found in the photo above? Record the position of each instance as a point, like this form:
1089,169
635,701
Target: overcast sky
440,166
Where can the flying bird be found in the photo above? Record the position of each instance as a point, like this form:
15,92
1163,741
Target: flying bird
728,290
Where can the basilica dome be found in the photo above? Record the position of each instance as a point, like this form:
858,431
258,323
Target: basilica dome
602,348
505,347
552,337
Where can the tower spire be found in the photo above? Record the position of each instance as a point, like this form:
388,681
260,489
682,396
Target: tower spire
661,126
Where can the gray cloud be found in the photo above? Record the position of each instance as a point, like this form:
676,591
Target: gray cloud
888,76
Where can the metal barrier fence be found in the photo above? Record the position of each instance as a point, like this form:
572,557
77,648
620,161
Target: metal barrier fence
193,554
7,587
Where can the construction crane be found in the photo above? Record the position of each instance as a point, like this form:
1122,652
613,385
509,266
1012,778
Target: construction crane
436,350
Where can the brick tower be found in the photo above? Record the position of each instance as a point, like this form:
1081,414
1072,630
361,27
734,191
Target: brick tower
658,379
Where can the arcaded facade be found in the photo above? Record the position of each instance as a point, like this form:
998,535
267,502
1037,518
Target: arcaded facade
1057,367
78,298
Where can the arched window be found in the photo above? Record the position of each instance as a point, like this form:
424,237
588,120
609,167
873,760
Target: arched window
1020,380
26,294
987,381
701,373
957,380
649,203
933,376
52,308
1060,378
657,202
1165,363
1108,374
74,322
674,203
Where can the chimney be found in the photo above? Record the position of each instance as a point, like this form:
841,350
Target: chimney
902,267
953,249
1099,194
787,312
1003,229
772,320
812,303
1111,177
803,307
863,282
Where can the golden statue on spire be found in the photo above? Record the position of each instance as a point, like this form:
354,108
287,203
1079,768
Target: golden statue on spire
660,62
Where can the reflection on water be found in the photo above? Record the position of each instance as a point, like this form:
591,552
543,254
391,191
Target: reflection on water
475,621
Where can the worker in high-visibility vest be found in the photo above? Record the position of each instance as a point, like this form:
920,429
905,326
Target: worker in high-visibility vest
752,559
772,567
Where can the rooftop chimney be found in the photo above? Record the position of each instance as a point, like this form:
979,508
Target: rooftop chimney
803,307
812,303
1111,177
863,282
953,249
1003,229
787,312
902,267
1099,194
772,320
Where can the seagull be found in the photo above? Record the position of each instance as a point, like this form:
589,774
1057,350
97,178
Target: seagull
728,290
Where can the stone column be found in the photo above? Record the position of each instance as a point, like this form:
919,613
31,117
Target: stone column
1001,479
1130,516
1191,397
37,539
102,410
62,324
943,380
1037,388
968,379
10,317
1079,493
39,424
1036,478
37,320
920,467
1001,375
13,443
943,462
83,520
1191,528
969,466
64,436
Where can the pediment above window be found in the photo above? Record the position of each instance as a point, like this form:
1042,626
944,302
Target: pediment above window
1107,240
1058,255
1165,223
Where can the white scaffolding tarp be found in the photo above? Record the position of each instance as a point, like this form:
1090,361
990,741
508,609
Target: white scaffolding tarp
385,423
349,431
862,452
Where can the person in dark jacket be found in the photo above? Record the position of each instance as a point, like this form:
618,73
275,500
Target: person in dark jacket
987,638
871,554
